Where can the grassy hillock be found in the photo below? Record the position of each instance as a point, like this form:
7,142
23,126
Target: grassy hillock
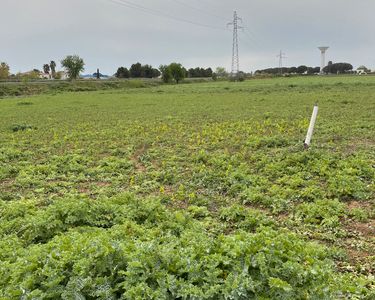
12,89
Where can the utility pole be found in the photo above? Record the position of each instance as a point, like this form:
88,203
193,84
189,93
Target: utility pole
235,57
281,57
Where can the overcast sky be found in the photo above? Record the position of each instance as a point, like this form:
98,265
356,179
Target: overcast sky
108,34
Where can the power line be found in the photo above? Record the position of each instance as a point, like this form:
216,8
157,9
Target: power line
199,9
252,37
161,14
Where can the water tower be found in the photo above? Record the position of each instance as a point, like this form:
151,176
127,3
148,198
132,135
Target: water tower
323,62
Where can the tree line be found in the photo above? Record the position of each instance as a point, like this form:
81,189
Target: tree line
74,65
331,68
337,68
138,70
289,70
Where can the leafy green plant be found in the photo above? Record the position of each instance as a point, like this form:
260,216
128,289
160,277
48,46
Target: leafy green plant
360,214
325,213
243,218
21,127
143,256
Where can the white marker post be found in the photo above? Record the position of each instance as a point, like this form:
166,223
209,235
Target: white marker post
311,127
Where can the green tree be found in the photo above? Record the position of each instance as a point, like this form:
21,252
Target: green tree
316,70
73,65
46,68
221,72
301,69
147,71
122,72
337,68
4,70
310,70
155,73
199,72
177,71
150,72
52,65
208,72
136,70
166,74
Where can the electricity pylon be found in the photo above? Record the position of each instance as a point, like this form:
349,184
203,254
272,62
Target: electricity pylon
235,57
281,57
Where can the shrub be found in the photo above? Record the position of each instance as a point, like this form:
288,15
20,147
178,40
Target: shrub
21,127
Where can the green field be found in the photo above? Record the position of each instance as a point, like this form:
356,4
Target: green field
191,191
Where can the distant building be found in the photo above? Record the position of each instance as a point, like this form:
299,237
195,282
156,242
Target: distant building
33,74
45,75
361,72
63,75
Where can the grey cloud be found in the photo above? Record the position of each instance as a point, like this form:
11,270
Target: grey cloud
108,35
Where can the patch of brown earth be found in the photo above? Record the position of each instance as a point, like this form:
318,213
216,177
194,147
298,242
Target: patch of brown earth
356,144
7,184
84,190
360,248
365,229
168,190
359,261
102,184
179,205
360,204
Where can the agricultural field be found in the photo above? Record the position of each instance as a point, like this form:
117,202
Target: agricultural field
190,191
